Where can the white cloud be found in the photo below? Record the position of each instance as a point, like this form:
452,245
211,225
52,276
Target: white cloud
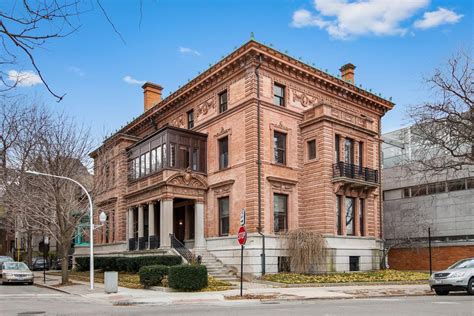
131,80
438,17
187,50
344,19
76,70
25,78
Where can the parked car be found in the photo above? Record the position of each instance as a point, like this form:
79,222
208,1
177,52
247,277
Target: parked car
16,272
5,259
56,264
40,264
458,277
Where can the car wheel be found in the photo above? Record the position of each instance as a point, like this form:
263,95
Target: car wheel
441,292
470,287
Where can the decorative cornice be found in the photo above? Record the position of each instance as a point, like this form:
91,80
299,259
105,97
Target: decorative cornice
280,126
222,132
282,180
222,183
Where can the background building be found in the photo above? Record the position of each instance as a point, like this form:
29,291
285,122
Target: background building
414,202
191,162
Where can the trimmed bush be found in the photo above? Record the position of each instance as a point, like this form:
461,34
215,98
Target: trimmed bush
187,277
152,275
126,264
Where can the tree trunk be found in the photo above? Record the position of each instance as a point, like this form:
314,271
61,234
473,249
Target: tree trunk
64,262
29,253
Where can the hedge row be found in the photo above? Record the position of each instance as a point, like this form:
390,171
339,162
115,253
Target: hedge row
128,264
152,275
187,277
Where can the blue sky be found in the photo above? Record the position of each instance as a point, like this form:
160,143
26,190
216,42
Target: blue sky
392,43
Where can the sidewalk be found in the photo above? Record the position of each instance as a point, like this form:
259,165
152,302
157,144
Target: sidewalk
252,292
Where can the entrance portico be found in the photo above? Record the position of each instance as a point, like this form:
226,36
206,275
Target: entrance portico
178,210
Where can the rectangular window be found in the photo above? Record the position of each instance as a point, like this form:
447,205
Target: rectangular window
190,119
132,169
142,165
165,157
353,263
153,160
338,214
312,149
470,183
279,147
223,153
194,158
172,155
279,94
361,217
406,192
284,264
280,212
349,151
223,101
435,188
337,149
456,185
158,158
224,216
350,221
418,190
361,156
185,158
147,163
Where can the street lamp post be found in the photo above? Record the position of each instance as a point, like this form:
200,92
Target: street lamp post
45,250
102,216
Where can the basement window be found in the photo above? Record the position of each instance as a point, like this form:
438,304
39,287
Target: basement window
284,264
354,263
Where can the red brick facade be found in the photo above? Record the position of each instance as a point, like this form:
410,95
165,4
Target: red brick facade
317,107
418,258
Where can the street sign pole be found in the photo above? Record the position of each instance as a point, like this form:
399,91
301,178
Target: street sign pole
241,268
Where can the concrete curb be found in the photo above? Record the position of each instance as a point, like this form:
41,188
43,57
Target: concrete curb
52,288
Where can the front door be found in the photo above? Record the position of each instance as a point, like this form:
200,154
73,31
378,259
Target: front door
179,223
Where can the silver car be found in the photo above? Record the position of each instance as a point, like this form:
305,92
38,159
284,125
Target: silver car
458,277
16,272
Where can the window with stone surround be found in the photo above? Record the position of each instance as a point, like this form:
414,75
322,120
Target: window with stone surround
190,119
223,216
311,147
223,101
361,217
350,220
223,152
348,151
337,149
279,94
280,212
279,147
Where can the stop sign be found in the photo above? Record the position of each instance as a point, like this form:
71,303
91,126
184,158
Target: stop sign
242,235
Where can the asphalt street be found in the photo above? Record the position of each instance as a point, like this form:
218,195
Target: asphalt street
32,300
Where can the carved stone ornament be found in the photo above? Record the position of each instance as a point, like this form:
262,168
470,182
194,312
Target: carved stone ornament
187,179
223,131
206,106
304,99
178,122
279,126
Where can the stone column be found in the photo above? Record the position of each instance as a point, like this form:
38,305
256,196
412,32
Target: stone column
151,219
166,223
130,222
140,222
199,241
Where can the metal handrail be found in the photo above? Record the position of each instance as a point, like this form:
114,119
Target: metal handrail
347,170
181,249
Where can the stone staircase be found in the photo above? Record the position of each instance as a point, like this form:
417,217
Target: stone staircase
215,267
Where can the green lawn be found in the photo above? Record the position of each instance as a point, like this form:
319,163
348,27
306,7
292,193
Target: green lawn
350,277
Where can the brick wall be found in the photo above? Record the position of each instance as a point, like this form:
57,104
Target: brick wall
418,258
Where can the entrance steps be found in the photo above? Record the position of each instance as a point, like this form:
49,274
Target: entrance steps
215,267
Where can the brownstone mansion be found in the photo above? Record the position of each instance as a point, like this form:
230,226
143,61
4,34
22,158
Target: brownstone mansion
261,131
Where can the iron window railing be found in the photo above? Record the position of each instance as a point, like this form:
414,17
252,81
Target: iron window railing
352,171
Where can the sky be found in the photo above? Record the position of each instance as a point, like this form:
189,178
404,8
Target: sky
394,45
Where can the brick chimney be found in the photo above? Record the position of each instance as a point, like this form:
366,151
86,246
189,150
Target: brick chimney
347,73
151,95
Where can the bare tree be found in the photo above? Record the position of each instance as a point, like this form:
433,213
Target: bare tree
28,25
51,144
444,128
